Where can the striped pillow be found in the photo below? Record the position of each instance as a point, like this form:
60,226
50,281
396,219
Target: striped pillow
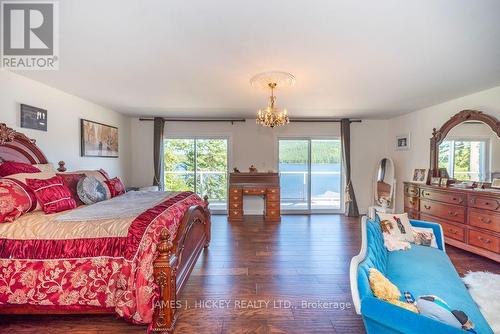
52,194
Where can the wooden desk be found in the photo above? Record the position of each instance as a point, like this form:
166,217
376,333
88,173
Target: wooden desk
256,184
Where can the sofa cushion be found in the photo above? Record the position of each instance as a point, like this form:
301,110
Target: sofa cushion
424,270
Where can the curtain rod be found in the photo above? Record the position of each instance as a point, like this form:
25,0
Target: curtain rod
180,119
293,120
322,120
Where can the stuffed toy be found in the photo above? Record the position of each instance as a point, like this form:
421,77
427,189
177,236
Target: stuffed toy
383,289
437,309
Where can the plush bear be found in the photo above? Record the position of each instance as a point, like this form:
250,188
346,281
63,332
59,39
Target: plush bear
383,289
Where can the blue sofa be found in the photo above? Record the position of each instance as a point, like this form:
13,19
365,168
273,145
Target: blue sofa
422,271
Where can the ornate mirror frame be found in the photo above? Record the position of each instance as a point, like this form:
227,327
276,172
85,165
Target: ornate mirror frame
465,115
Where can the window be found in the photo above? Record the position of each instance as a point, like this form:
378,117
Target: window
199,165
310,174
465,159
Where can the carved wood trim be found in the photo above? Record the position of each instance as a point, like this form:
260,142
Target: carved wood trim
19,142
465,115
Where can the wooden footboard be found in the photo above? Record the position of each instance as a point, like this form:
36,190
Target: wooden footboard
175,262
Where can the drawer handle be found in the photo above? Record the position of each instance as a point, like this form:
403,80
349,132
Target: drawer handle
428,207
427,194
486,241
485,221
411,202
452,213
452,231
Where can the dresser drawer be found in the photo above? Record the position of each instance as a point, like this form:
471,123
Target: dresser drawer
254,191
235,198
446,211
235,191
450,230
272,205
484,219
273,197
453,231
235,213
452,198
484,240
411,190
235,205
486,203
412,203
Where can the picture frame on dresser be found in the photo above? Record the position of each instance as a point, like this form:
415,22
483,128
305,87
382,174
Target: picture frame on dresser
420,175
495,183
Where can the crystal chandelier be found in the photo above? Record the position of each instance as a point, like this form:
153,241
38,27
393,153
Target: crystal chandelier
272,116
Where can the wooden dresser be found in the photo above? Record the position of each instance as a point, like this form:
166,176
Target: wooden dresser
256,184
470,218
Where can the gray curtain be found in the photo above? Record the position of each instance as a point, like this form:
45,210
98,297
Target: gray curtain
159,125
351,206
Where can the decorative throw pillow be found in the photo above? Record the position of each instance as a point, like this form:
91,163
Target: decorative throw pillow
12,167
71,181
15,200
45,168
437,309
384,289
116,186
397,225
52,194
91,190
424,236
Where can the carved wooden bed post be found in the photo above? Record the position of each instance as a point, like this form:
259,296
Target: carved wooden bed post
164,270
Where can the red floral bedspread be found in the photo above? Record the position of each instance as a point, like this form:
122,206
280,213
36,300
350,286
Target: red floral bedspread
123,282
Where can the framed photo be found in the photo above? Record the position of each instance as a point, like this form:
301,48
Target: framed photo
436,181
444,182
98,140
403,142
495,183
33,118
420,175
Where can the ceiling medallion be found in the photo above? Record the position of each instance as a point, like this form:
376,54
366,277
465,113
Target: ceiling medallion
272,116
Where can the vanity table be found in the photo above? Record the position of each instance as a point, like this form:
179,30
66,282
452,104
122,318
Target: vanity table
266,185
468,147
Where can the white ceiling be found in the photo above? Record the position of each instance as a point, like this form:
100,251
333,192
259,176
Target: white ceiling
369,59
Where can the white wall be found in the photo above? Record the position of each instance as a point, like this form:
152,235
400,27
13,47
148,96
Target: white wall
253,144
420,124
62,139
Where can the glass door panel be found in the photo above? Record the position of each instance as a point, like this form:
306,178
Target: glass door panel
211,171
179,165
326,179
294,174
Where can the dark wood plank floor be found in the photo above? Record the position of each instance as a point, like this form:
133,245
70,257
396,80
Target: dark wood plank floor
303,259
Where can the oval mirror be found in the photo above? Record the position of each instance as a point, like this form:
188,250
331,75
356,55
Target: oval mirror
384,183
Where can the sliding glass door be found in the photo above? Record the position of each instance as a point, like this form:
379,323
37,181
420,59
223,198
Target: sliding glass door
199,165
310,175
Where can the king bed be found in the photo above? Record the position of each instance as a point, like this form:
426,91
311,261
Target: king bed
108,257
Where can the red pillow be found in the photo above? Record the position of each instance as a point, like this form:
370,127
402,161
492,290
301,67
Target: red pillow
12,167
52,194
14,200
71,181
116,186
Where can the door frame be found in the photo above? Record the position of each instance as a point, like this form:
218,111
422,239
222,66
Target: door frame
309,186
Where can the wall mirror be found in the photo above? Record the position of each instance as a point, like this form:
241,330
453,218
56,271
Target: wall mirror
384,183
467,148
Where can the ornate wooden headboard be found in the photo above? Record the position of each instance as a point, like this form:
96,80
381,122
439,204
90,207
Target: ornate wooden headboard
15,146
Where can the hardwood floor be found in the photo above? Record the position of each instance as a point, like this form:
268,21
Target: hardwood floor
303,259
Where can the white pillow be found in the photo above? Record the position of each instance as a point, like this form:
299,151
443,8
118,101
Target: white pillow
425,230
399,226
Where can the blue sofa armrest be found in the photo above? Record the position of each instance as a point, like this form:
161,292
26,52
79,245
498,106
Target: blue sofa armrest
382,317
438,231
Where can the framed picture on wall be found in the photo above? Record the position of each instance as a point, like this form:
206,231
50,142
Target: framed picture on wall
33,118
98,140
403,142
